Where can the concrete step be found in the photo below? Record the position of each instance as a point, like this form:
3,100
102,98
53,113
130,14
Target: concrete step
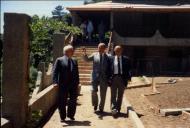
85,67
81,54
84,75
87,49
84,64
85,82
83,61
85,78
85,71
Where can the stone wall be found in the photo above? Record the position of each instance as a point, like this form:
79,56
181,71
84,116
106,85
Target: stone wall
58,44
15,68
44,100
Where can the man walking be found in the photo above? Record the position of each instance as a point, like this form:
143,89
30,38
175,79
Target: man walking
66,78
120,68
100,75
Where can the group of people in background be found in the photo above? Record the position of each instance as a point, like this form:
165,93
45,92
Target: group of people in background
87,29
108,70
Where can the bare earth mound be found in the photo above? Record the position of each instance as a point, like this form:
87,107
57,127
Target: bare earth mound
171,96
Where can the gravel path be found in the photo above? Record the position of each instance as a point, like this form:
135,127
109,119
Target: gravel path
85,117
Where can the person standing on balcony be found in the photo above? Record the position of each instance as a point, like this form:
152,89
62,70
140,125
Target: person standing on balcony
101,31
90,30
100,75
66,78
83,28
120,75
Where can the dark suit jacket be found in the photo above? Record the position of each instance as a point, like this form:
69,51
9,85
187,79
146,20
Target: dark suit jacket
60,70
126,68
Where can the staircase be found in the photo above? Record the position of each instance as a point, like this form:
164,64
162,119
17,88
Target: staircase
85,68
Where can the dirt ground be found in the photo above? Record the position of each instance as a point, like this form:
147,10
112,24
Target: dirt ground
85,116
171,96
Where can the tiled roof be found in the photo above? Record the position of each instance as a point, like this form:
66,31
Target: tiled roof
116,6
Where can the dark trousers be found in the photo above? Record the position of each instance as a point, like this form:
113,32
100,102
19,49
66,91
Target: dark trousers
117,90
65,94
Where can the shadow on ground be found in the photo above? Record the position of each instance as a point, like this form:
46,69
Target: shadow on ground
104,114
77,123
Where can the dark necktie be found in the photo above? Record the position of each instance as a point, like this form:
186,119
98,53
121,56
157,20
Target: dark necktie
69,73
69,64
119,68
101,59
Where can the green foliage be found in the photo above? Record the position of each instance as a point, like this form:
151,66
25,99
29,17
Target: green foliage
58,12
107,35
42,37
41,46
34,119
32,78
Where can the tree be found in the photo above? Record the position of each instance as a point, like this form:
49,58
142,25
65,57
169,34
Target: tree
41,45
58,12
42,37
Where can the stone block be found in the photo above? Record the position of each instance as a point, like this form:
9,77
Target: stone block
58,44
15,68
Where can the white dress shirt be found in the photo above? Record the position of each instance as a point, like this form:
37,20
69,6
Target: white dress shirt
116,65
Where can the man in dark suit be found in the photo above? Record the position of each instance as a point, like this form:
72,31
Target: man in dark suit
120,68
66,78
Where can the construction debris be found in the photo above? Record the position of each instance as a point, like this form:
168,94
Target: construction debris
169,81
177,111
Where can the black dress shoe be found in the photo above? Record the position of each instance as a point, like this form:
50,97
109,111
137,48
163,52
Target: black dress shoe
62,120
101,111
95,108
72,118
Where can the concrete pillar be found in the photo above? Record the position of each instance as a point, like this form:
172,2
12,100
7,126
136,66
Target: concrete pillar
58,44
15,68
111,21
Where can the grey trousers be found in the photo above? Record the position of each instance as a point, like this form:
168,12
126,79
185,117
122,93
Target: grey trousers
103,89
117,90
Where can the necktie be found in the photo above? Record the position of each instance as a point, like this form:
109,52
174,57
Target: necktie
119,68
69,64
100,59
69,73
101,62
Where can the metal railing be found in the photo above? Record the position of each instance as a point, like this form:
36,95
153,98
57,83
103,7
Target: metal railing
69,39
110,44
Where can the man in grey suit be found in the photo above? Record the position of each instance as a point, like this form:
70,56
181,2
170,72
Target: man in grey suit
100,75
66,78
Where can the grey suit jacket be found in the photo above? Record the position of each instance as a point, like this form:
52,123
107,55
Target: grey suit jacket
97,71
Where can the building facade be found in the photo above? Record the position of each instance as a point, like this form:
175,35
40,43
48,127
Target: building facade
155,34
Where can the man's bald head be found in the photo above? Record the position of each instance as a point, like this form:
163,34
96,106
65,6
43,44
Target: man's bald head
68,51
101,47
118,50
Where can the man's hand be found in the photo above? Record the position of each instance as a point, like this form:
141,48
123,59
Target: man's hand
55,85
84,51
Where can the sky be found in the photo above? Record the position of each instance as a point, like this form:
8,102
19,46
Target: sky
41,8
